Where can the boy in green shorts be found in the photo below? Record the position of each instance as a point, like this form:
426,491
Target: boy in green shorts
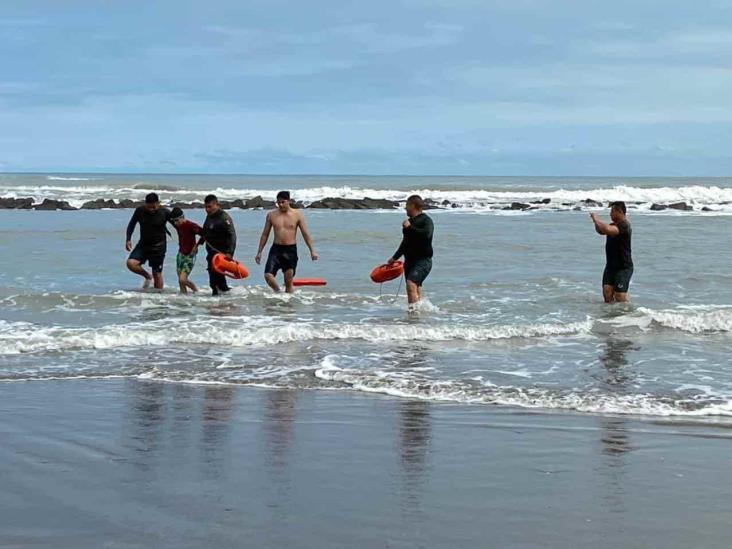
187,248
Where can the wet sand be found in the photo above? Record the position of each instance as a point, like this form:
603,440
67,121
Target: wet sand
130,463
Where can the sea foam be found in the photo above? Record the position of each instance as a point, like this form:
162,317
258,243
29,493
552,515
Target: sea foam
23,337
403,385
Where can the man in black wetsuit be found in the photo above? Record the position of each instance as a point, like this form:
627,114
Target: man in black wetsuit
153,240
619,266
220,237
416,247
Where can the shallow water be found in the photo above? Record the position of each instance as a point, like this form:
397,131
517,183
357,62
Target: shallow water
514,315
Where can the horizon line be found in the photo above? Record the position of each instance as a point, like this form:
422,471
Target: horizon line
60,172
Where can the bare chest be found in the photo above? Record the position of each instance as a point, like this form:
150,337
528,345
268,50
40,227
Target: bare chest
284,222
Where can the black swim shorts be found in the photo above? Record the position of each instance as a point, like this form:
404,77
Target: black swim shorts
417,270
283,257
153,257
619,279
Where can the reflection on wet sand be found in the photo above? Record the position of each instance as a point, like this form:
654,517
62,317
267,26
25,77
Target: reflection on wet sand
617,378
279,415
415,440
415,426
180,425
145,422
147,414
279,422
614,436
218,407
415,434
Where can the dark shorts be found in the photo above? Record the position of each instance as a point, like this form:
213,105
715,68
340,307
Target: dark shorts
154,258
417,270
619,279
281,257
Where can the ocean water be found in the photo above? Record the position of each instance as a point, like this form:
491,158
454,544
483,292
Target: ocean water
513,317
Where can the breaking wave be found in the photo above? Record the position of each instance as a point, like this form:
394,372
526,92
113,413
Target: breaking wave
477,392
25,337
714,198
694,320
261,331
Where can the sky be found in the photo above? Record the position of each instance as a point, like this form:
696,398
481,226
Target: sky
443,87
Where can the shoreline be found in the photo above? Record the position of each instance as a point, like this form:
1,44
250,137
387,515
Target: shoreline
137,463
712,421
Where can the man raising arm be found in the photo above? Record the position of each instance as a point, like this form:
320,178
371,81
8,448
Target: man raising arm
619,262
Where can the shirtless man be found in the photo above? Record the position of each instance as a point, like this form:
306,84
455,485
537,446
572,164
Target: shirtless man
283,254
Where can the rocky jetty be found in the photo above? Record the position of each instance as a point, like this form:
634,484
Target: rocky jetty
592,203
681,206
330,203
258,202
518,206
16,203
99,204
354,204
49,204
187,205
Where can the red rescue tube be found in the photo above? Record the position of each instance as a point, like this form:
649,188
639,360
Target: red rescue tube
386,272
309,282
229,267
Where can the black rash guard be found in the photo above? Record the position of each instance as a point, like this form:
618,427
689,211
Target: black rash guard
153,231
617,248
417,241
219,233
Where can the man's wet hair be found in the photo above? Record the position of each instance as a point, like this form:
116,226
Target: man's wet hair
210,198
176,214
619,205
283,195
416,201
152,198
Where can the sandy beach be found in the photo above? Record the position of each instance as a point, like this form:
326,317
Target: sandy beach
131,463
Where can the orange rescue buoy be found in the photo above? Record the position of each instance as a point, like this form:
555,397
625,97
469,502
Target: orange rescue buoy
386,272
309,282
229,267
